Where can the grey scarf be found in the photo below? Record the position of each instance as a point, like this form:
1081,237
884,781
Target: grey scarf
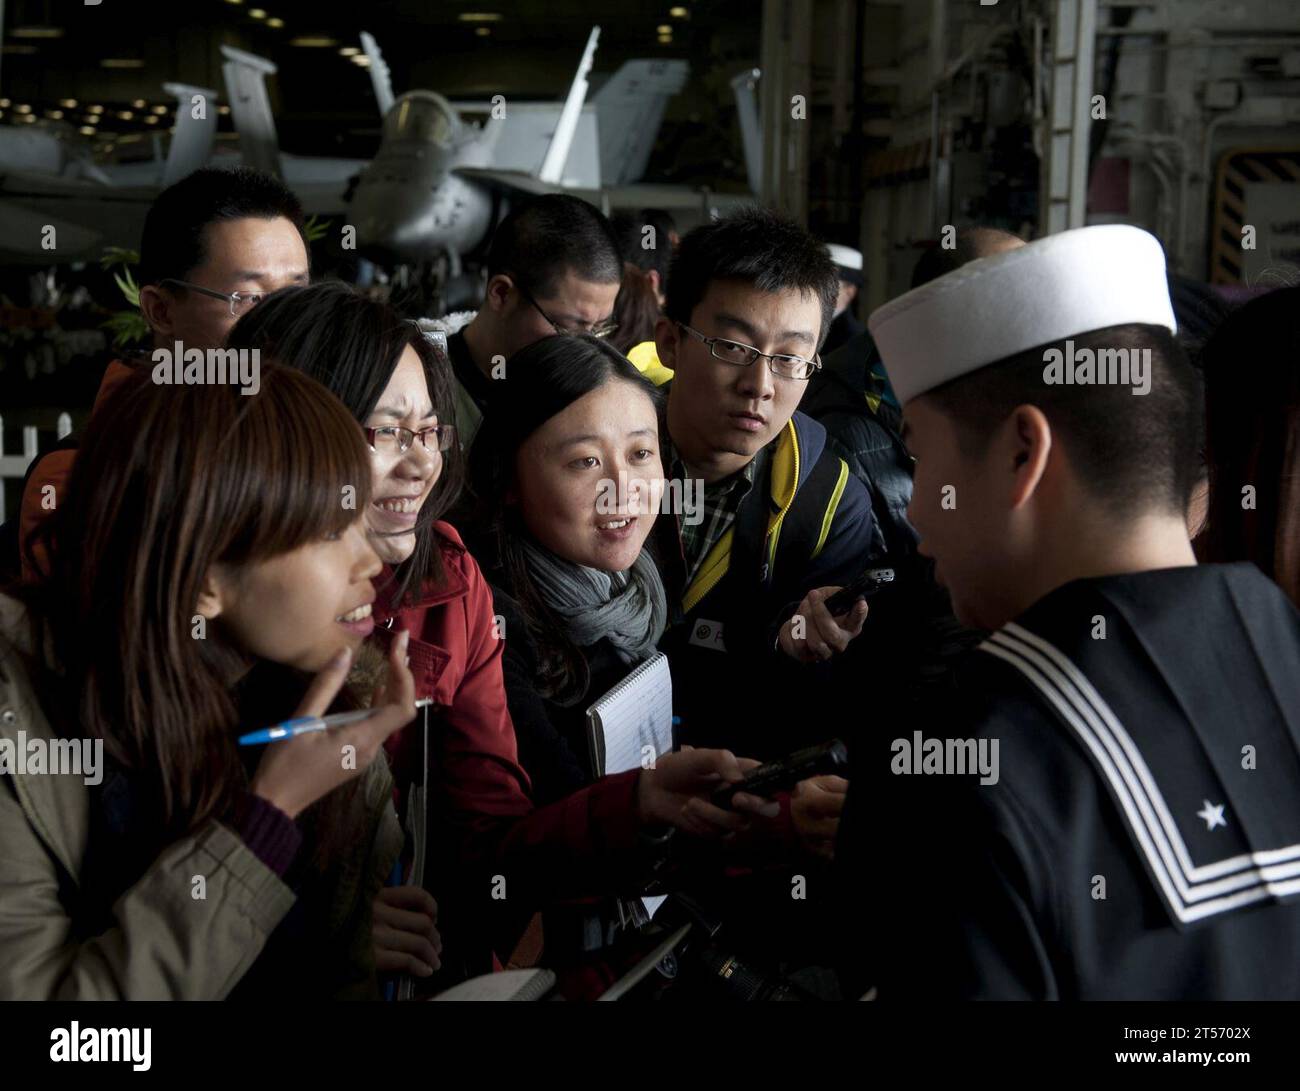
629,609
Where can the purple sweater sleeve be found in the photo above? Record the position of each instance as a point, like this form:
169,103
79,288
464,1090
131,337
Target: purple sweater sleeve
272,835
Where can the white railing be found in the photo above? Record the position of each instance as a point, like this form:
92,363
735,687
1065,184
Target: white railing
15,466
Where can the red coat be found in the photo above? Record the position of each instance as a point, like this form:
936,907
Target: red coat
483,825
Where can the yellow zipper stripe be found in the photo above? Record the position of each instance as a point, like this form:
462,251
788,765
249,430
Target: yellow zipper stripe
832,507
774,530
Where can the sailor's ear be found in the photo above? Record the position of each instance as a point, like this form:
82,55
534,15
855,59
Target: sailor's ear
1026,441
500,290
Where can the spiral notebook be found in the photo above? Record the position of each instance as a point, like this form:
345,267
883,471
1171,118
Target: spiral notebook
632,725
630,728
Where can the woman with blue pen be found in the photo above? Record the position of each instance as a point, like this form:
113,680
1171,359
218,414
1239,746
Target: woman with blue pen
204,579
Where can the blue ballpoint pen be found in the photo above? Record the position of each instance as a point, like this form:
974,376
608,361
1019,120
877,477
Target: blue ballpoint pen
303,725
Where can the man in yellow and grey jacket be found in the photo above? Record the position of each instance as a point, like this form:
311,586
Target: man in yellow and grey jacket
767,520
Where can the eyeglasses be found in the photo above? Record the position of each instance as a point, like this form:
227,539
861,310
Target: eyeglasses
390,438
241,302
604,329
733,352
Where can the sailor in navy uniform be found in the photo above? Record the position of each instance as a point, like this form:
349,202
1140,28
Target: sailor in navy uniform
1131,829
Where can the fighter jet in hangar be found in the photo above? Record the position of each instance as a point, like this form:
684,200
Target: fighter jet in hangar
439,181
433,191
47,178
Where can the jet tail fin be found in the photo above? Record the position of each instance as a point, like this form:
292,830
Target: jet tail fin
558,153
192,142
379,74
245,76
629,110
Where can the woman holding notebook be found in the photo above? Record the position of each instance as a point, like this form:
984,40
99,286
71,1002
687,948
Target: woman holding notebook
567,478
497,855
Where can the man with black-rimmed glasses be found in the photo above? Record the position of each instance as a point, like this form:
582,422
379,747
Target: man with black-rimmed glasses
214,244
750,298
755,653
553,267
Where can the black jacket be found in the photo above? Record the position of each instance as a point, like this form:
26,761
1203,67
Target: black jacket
866,438
913,638
844,327
805,523
552,737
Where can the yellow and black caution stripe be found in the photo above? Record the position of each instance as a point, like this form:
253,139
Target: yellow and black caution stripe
1237,169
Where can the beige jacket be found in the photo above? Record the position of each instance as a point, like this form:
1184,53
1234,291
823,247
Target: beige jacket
166,944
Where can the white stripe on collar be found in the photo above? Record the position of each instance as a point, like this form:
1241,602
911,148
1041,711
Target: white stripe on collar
1191,892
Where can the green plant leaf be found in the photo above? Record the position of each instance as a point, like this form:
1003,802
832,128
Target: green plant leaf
118,255
128,328
316,229
130,289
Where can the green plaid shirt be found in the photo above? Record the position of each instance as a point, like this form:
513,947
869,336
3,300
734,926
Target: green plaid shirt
721,502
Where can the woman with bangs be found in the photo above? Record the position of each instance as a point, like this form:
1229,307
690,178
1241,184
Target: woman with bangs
203,569
495,856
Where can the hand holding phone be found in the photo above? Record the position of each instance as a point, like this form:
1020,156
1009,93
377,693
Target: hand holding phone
781,776
866,585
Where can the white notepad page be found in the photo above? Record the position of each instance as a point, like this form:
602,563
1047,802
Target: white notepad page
636,714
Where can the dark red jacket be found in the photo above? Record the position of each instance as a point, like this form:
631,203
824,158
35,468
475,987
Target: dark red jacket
490,847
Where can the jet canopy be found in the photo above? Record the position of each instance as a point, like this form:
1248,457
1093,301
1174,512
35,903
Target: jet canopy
424,117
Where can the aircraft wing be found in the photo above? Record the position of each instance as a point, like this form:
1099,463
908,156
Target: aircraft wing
86,217
690,206
512,181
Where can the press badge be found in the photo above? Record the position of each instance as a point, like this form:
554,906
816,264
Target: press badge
708,634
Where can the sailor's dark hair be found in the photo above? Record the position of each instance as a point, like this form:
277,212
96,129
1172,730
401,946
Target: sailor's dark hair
1134,452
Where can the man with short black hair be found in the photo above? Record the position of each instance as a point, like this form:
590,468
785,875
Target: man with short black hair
213,245
553,267
968,244
1131,829
750,298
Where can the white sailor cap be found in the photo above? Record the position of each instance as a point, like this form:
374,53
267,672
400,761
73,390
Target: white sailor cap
848,262
993,308
845,256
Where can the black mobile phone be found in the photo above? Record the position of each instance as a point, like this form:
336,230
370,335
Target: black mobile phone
783,775
866,585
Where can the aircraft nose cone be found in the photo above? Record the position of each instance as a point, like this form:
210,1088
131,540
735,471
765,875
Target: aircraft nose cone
396,208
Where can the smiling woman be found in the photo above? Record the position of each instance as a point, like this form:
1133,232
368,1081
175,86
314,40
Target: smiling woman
391,379
200,562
